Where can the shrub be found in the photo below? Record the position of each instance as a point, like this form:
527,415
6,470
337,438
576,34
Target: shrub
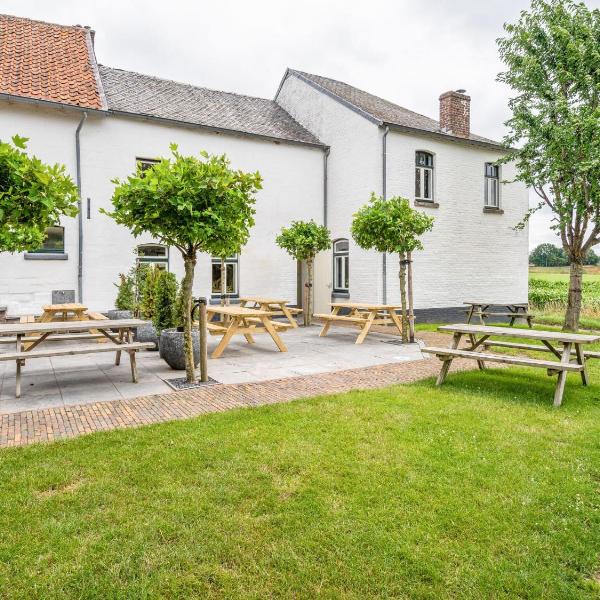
165,301
147,290
126,294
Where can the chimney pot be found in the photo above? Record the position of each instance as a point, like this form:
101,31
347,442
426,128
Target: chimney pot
455,113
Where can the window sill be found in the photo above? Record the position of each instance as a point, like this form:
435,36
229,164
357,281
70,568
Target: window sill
340,295
426,204
48,256
493,209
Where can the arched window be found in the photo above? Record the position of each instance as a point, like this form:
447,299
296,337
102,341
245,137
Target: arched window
424,176
153,254
341,271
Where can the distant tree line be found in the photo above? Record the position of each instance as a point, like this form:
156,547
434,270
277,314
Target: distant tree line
549,255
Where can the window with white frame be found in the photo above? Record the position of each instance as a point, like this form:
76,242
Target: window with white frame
341,271
54,243
492,185
153,254
424,176
231,276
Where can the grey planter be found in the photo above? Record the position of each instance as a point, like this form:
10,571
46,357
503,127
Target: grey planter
171,348
147,333
120,314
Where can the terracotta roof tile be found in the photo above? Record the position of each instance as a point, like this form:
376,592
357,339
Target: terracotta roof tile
48,62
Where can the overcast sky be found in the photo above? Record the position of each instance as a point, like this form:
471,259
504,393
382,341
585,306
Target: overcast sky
405,51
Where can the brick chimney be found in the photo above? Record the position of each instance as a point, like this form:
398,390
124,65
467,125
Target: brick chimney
455,113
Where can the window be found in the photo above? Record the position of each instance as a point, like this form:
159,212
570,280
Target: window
231,276
424,176
341,273
146,163
54,242
492,185
154,254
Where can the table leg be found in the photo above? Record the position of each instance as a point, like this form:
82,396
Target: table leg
470,313
289,316
396,320
365,328
231,329
248,337
581,360
562,375
118,356
334,311
273,333
446,364
474,345
19,348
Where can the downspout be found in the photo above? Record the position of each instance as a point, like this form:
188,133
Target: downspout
325,198
79,207
384,194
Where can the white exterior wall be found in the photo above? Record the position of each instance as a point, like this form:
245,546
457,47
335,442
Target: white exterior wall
469,254
27,284
292,189
354,171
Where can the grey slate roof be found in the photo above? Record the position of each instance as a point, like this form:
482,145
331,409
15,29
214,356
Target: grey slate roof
380,110
138,94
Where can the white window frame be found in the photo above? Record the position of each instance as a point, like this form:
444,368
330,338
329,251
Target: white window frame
230,260
341,257
492,184
421,172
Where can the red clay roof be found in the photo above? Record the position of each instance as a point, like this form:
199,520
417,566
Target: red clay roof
49,62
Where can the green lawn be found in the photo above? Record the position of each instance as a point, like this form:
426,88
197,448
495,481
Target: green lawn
479,489
562,273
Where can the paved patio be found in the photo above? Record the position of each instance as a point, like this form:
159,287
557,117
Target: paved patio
85,379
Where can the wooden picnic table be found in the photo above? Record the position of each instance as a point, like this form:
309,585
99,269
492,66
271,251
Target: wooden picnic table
242,321
363,315
274,306
512,311
567,347
37,333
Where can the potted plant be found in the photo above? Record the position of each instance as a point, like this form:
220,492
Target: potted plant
125,302
168,320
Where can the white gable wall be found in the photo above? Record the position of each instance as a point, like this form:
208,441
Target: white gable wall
354,171
470,254
292,189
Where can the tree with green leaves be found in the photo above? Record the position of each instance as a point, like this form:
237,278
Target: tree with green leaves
303,240
553,69
392,226
33,197
182,201
548,255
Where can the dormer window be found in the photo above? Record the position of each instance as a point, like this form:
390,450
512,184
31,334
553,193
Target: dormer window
424,176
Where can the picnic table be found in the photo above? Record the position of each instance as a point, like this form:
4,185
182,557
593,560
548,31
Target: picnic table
567,347
37,333
242,321
274,306
512,311
363,315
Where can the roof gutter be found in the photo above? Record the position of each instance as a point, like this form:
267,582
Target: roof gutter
50,104
79,208
384,194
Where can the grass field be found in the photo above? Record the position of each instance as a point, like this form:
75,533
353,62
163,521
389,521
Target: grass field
479,489
562,273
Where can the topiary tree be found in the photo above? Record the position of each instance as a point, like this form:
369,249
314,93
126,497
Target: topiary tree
165,301
33,197
147,290
393,226
181,201
126,295
303,241
553,68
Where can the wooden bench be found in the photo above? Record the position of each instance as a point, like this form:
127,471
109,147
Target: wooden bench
55,338
331,317
508,315
534,348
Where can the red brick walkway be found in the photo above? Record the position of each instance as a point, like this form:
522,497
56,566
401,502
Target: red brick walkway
19,429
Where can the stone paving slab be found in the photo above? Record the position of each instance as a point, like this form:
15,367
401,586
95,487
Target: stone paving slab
49,424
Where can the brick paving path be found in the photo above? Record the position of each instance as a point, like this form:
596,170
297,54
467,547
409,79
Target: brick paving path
27,427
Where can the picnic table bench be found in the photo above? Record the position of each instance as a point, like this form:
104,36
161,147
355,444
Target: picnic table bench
242,321
571,347
118,332
514,311
363,315
276,307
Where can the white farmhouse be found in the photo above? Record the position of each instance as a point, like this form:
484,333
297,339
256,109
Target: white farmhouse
322,146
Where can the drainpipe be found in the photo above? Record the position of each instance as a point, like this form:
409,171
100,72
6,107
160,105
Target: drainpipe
384,194
325,199
80,213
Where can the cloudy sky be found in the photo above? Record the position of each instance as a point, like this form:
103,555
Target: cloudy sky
406,51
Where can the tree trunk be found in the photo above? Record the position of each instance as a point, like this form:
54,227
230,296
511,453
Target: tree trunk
402,275
574,299
202,339
188,280
411,311
308,293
